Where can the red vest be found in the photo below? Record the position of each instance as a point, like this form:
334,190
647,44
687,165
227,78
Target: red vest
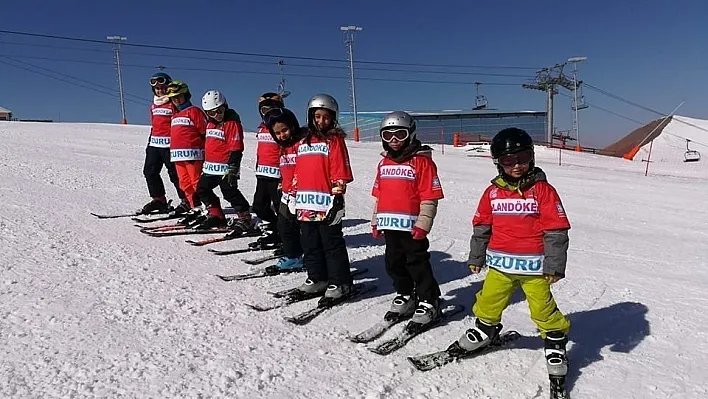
221,139
267,154
160,132
287,170
400,187
187,135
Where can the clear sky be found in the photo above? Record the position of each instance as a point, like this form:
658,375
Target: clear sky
650,52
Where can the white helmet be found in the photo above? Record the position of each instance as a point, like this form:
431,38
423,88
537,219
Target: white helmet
213,99
321,101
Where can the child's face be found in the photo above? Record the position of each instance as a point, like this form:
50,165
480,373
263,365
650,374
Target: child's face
517,170
160,90
282,131
396,144
323,119
178,100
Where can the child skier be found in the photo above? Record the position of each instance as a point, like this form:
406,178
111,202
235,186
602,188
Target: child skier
407,190
188,128
286,131
322,172
521,233
223,154
157,152
266,200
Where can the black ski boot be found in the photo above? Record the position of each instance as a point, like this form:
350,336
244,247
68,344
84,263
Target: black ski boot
182,208
269,241
156,206
557,362
480,336
211,222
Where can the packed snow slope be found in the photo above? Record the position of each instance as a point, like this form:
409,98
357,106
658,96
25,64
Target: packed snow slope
93,308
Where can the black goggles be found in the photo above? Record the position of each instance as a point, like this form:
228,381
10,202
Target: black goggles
270,113
159,81
519,158
214,112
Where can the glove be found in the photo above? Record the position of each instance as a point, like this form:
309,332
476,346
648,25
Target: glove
376,233
335,213
292,202
418,233
284,208
232,176
475,269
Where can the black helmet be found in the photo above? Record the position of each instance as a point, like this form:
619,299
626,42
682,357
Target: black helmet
270,99
510,141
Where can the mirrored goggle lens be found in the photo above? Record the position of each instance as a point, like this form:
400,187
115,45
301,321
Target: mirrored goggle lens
215,112
389,134
270,113
520,158
158,81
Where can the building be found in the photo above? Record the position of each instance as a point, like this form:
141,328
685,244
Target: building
5,114
442,126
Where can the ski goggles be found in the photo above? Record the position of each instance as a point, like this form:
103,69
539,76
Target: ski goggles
519,158
159,81
270,112
399,134
214,112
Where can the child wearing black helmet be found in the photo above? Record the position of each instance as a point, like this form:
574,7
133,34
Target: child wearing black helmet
521,235
157,152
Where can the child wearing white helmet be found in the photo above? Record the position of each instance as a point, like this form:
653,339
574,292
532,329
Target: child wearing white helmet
222,164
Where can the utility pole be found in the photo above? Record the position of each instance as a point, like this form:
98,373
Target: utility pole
349,32
118,40
546,80
576,106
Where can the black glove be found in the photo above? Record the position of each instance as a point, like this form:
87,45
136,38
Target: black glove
234,172
335,214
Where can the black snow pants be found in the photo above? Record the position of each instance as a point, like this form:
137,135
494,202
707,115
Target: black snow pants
205,191
266,200
325,253
155,158
408,265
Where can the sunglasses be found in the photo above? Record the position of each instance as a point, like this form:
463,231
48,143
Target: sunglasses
161,81
519,158
215,112
388,135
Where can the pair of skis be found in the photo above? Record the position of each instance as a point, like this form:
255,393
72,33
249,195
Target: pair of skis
135,214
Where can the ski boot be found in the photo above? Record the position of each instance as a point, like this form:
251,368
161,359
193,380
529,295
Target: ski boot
157,205
556,362
240,225
182,208
480,336
285,263
211,222
309,289
335,294
269,241
193,218
402,307
426,314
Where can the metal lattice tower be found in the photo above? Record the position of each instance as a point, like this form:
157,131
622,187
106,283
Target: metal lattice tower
546,80
578,100
118,40
349,32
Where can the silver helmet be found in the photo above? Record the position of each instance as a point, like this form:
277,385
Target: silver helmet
398,119
321,101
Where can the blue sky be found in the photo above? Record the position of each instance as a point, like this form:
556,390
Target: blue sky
652,53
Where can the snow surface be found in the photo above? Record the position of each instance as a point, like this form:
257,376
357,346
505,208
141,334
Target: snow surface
668,149
93,308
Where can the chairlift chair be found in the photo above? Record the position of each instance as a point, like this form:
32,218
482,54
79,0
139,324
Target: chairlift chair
691,155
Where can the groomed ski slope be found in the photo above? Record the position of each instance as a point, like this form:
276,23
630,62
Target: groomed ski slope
93,308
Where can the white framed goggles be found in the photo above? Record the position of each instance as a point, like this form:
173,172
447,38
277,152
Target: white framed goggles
398,133
158,81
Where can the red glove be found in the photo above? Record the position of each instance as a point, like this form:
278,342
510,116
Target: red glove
418,233
376,233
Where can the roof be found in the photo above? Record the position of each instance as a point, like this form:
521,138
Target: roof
452,113
5,110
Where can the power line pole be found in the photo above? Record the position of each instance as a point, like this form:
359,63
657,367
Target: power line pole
118,40
546,80
576,106
349,32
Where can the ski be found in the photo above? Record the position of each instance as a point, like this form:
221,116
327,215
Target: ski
186,231
308,315
267,272
455,352
262,259
376,330
558,390
152,220
278,251
286,292
412,330
115,216
227,237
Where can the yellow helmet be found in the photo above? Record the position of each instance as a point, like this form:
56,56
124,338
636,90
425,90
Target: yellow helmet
177,87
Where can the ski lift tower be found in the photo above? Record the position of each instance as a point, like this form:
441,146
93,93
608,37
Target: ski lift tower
577,105
546,80
118,40
349,32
